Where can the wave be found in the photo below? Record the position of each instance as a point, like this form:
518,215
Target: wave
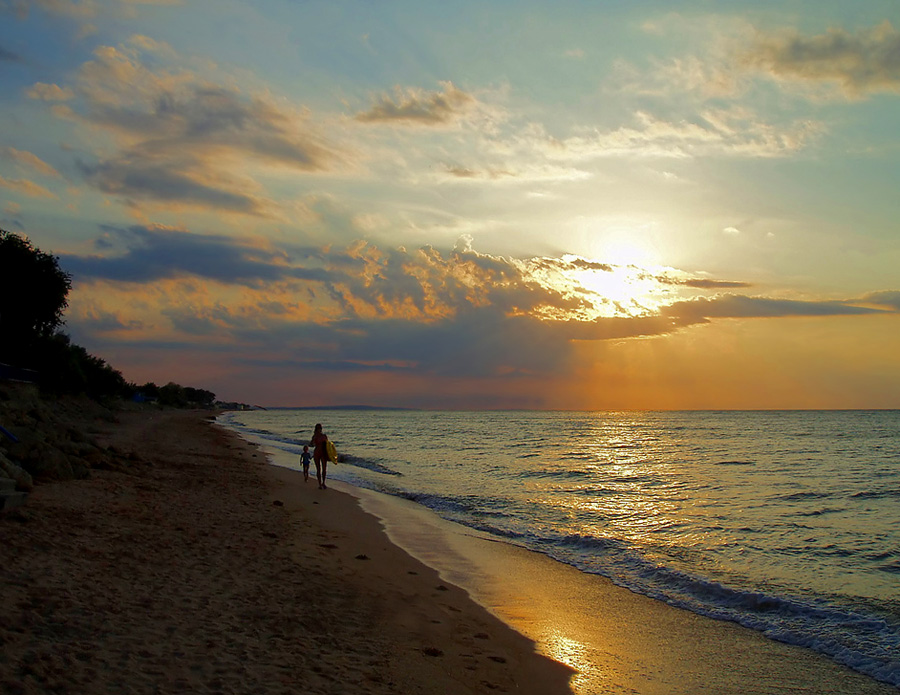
866,642
876,494
863,641
368,464
742,559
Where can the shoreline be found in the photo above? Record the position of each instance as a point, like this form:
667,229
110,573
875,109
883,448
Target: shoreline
194,567
616,640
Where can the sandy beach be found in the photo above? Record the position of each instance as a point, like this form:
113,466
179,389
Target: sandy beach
198,567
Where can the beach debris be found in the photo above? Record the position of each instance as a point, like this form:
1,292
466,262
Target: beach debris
498,659
362,556
432,651
441,587
277,503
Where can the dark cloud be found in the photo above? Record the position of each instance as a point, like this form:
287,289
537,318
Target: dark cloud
145,254
738,306
863,62
362,308
140,179
107,321
702,284
888,298
212,120
420,107
8,55
478,343
185,140
585,264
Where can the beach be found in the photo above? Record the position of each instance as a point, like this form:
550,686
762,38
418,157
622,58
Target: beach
195,566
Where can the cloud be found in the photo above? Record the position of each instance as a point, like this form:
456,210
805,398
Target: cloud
29,160
26,187
706,284
96,320
714,284
737,306
50,92
184,140
860,63
733,131
521,173
489,174
8,55
887,298
145,254
81,9
138,178
413,106
69,8
368,309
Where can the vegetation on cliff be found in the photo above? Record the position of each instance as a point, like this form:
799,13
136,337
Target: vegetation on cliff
34,294
53,393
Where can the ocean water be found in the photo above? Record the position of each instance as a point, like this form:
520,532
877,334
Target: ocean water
787,522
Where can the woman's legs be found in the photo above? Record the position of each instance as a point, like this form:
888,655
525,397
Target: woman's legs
319,471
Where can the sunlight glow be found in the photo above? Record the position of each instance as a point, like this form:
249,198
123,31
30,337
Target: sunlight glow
620,291
601,290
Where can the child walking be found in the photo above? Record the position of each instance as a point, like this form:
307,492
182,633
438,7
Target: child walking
305,458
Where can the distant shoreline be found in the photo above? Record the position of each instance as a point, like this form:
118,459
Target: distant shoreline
559,410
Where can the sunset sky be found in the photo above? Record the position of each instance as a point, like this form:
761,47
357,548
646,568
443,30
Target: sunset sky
569,204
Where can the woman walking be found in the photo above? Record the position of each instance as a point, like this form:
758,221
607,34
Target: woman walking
320,455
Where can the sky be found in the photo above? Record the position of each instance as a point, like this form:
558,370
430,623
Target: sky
493,204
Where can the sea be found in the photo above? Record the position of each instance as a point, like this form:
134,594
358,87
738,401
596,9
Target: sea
786,522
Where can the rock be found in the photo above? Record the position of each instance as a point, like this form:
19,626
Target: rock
15,472
45,462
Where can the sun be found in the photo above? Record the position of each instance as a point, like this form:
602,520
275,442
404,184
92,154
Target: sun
620,290
599,289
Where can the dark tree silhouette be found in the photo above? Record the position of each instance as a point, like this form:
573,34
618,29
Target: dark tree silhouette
33,295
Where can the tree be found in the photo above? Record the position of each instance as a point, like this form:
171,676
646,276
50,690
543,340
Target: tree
69,368
33,295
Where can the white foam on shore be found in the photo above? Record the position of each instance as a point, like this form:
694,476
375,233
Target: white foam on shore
616,640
